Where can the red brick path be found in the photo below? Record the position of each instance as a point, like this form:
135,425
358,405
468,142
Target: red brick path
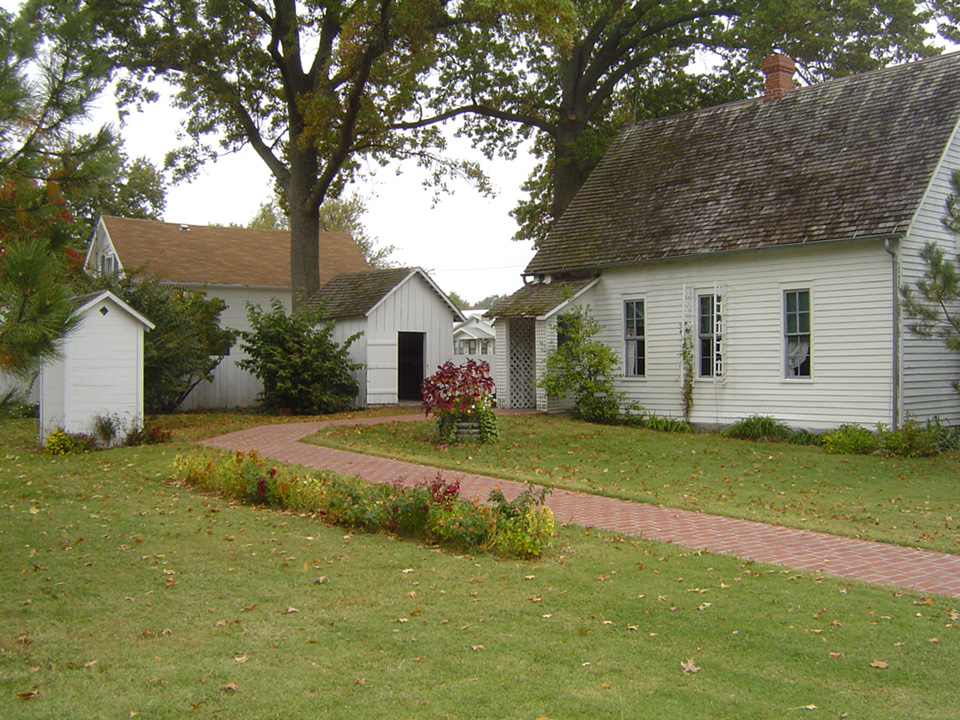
921,570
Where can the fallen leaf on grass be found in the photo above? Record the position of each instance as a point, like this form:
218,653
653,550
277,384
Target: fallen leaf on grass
360,681
475,648
836,655
689,667
606,685
28,694
242,659
289,610
230,687
880,664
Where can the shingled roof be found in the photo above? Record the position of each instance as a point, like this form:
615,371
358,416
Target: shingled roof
538,299
846,158
204,254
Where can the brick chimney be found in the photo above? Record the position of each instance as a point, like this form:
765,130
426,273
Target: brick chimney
779,72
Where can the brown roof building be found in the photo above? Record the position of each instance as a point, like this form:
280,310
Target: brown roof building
208,255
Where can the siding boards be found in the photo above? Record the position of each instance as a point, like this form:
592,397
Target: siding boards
928,367
852,305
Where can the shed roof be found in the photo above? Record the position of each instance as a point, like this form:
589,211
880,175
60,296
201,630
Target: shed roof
846,158
84,302
356,294
540,299
204,254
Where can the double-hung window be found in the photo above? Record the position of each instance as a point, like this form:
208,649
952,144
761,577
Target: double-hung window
634,335
710,335
796,333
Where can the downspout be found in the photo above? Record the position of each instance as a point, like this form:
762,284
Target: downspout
895,375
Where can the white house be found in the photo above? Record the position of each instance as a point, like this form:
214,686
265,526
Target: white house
99,372
237,265
406,323
774,234
475,338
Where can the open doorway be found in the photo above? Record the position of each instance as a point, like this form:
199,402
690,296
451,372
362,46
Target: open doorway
410,359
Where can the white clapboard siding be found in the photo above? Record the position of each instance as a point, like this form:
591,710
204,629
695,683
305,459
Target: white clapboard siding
231,386
928,368
99,373
852,300
413,306
358,351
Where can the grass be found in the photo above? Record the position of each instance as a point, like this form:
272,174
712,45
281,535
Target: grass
123,595
913,502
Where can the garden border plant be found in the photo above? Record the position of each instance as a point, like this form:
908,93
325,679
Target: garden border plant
458,394
434,511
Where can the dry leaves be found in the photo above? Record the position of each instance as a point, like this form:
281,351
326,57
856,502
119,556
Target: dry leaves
879,664
689,667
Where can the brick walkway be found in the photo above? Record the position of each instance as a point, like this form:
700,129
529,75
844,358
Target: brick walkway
921,570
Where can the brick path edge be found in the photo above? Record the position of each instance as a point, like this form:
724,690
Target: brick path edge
923,571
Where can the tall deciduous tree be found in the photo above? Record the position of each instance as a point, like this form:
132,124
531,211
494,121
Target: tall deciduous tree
311,86
626,59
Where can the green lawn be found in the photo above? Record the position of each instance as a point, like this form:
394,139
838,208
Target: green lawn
908,502
123,595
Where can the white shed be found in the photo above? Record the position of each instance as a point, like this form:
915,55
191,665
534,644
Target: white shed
406,323
99,372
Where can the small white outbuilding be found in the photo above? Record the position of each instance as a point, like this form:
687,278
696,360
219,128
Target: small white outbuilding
99,373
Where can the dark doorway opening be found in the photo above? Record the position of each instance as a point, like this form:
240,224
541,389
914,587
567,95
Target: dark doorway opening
410,347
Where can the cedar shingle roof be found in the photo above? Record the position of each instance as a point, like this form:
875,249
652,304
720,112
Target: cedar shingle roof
355,294
846,158
537,299
223,255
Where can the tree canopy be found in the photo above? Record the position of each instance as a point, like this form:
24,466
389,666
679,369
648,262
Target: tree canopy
615,61
48,78
313,87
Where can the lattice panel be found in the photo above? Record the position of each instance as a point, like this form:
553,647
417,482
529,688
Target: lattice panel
523,359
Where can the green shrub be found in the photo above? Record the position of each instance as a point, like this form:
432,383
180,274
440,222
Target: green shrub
806,437
302,368
433,511
526,535
947,438
912,439
147,436
662,423
464,524
584,369
850,440
759,427
60,442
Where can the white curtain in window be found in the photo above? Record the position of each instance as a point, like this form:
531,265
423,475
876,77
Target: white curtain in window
798,351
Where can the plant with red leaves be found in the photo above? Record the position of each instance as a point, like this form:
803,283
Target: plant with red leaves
466,389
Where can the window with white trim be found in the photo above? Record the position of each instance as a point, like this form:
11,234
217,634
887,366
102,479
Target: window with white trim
710,335
634,335
796,333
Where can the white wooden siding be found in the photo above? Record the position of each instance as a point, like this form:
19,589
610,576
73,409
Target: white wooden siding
99,373
928,368
852,337
231,386
357,352
411,307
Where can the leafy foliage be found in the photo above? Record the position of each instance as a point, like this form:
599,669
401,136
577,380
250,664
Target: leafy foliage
147,435
302,368
433,511
583,368
850,440
60,442
461,394
187,343
759,427
576,72
652,421
314,88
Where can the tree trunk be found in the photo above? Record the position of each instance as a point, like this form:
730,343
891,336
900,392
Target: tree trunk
570,167
304,227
